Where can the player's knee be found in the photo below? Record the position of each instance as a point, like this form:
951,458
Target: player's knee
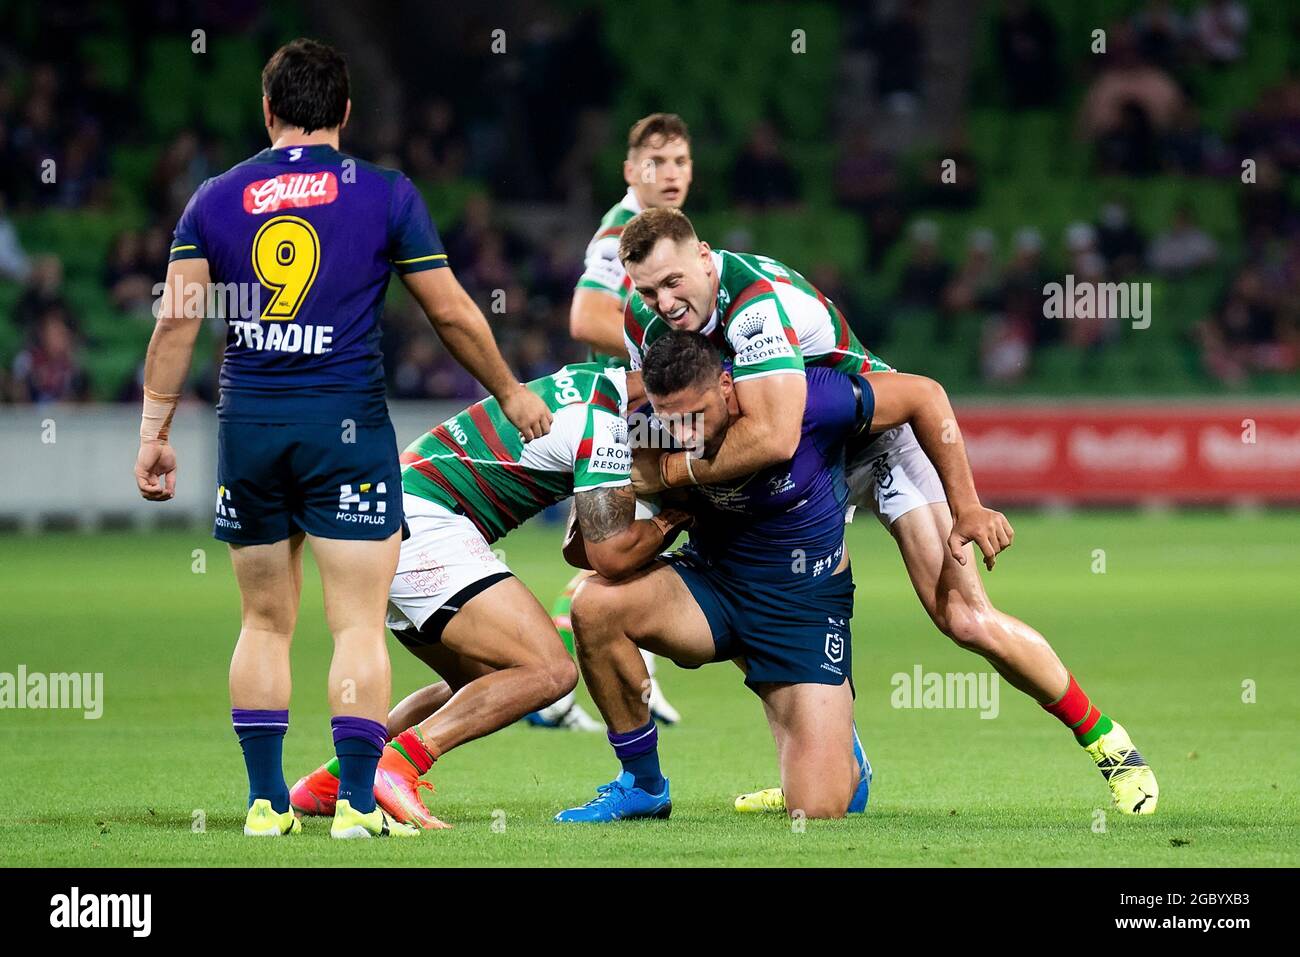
560,676
267,629
967,625
817,807
593,607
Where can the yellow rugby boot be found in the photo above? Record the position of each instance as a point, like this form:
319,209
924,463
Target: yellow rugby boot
349,824
264,821
1132,783
766,801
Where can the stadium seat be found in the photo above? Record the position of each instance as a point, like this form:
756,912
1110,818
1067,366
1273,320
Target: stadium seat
236,66
169,87
111,58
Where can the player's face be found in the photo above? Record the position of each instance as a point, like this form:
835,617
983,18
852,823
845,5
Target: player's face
659,172
677,282
699,417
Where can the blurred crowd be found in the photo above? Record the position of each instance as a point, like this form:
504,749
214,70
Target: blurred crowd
1138,112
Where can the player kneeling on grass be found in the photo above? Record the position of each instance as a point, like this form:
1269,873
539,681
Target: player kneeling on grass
456,605
772,321
765,580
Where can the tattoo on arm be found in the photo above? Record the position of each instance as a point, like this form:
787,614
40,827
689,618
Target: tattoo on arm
605,512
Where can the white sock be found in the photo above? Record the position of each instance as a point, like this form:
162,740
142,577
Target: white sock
554,712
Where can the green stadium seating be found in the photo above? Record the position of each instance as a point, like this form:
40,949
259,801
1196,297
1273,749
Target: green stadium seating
111,58
236,66
1033,169
170,87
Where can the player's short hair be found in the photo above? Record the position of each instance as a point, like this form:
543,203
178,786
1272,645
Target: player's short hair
670,126
306,83
679,360
645,229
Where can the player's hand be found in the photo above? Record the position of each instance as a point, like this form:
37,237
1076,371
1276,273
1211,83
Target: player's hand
527,412
672,522
646,477
988,529
155,471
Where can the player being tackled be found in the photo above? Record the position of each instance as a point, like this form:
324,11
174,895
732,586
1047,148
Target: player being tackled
658,171
770,320
456,606
734,592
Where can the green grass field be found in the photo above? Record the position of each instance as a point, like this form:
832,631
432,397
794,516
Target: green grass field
1188,609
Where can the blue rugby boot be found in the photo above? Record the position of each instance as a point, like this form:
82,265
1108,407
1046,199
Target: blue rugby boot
863,793
619,800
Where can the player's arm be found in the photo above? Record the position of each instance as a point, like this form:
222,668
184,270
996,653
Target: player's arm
464,330
771,391
914,399
574,548
166,365
767,432
596,313
596,318
614,542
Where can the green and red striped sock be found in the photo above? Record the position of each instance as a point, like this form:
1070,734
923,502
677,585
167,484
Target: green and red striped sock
409,744
1074,710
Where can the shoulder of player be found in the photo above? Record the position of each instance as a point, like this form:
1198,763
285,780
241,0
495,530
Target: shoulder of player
573,424
641,323
742,298
595,385
257,159
612,223
234,178
745,283
237,175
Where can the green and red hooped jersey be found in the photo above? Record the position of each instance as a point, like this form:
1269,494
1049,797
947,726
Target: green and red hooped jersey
476,463
603,270
768,319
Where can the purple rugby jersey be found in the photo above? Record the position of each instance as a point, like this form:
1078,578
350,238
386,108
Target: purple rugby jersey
786,523
315,234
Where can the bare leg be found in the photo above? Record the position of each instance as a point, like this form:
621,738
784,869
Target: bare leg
517,664
613,621
356,576
813,728
955,599
418,705
270,583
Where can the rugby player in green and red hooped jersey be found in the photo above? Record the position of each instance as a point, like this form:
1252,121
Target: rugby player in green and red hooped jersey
657,171
772,323
465,484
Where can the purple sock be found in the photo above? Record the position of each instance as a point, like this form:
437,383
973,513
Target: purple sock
261,736
358,742
638,751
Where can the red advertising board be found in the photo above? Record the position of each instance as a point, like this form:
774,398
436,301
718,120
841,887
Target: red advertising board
1117,453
